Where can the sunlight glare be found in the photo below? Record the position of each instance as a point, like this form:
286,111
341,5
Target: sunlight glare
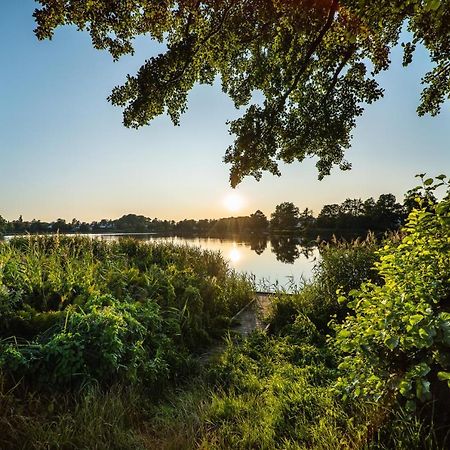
235,254
234,202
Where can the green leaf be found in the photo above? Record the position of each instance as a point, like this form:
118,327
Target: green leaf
428,182
432,5
344,334
392,342
423,390
410,405
405,388
413,320
444,376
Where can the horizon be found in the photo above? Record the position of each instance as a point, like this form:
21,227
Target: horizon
65,152
235,216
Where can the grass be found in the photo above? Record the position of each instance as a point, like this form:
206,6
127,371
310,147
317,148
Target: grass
151,309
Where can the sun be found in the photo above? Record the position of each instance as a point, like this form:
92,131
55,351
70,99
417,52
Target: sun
233,202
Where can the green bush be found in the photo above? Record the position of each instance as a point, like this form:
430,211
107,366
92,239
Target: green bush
342,267
398,339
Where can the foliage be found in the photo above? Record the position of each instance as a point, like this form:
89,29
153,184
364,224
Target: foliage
355,214
258,221
274,389
3,223
285,217
313,63
75,309
275,394
398,339
342,267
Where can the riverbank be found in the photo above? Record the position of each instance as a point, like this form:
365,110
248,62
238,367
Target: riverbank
101,347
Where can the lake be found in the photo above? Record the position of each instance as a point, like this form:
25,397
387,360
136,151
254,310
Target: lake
275,261
281,261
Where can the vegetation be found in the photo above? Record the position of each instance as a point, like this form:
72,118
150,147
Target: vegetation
398,337
314,65
357,358
76,311
353,218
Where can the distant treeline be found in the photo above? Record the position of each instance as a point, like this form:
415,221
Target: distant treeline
353,216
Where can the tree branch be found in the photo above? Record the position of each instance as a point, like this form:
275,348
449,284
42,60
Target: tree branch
347,55
313,47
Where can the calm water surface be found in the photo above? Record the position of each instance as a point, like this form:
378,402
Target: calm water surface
282,261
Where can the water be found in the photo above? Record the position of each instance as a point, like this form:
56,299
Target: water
276,262
281,261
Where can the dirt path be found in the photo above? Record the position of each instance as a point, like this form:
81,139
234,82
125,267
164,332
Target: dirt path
248,319
251,317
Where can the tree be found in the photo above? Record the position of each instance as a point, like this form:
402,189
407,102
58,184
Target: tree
258,222
314,62
285,218
328,216
306,219
388,213
3,223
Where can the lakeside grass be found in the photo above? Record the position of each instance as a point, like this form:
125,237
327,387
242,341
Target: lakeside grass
145,311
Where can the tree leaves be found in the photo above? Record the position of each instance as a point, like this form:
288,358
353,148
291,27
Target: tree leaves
313,65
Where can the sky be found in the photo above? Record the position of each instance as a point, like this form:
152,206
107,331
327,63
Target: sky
65,153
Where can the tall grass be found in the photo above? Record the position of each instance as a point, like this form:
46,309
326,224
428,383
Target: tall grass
150,308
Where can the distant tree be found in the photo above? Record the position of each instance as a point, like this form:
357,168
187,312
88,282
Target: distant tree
306,219
3,224
18,226
75,224
352,207
258,222
285,218
328,216
60,226
36,226
314,63
131,223
85,227
388,213
187,226
351,214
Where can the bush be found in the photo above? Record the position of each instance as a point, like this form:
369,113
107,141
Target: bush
398,340
341,268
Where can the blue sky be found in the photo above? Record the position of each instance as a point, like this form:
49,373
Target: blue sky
64,152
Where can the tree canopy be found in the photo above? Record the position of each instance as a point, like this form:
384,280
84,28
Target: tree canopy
313,64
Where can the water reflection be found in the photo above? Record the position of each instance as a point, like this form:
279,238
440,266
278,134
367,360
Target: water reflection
234,255
258,244
275,261
288,248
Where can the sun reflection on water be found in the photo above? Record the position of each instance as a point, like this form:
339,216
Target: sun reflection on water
234,254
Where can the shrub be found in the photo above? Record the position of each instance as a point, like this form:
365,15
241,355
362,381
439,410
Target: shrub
398,340
342,267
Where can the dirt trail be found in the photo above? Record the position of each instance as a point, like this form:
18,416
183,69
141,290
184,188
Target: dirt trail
251,317
248,319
